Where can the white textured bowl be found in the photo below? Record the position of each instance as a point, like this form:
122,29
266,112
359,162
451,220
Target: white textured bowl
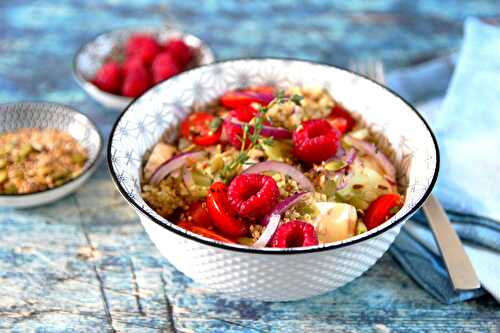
93,54
50,115
272,274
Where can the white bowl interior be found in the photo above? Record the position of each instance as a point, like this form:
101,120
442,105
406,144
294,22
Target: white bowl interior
156,115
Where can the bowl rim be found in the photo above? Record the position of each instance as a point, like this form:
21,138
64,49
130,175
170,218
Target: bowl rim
91,166
77,75
286,251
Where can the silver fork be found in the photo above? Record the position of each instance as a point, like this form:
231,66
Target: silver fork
460,269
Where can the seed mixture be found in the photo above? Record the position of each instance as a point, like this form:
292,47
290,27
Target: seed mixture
33,160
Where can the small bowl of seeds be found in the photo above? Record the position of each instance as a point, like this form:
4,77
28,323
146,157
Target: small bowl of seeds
46,152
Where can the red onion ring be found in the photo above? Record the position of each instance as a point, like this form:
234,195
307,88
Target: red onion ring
371,150
187,178
346,156
262,98
267,235
267,131
173,164
283,206
349,156
283,168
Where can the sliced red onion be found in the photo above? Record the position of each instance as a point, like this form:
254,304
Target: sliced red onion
376,154
346,156
349,156
338,155
275,132
267,131
285,169
262,98
173,164
187,178
267,235
283,206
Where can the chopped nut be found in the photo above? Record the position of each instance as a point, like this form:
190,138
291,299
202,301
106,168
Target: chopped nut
36,159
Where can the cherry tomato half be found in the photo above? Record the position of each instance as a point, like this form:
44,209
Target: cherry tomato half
263,90
211,234
197,213
244,113
198,128
221,213
202,231
245,97
185,224
381,209
339,112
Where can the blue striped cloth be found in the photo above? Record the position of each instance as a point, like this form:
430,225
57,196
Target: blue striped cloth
467,125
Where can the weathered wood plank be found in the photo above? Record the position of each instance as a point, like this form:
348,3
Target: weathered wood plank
63,265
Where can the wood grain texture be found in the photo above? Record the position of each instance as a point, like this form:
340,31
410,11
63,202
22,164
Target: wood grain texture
85,264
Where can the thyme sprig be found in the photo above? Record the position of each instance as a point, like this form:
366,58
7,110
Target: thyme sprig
252,132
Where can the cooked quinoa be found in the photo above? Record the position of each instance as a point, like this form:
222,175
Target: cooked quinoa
33,160
340,187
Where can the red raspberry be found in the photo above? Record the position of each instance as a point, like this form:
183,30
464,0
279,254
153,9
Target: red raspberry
144,46
164,67
180,51
132,63
295,234
137,81
315,141
109,77
253,195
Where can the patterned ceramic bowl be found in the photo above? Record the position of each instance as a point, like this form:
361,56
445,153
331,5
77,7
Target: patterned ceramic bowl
93,54
272,274
50,115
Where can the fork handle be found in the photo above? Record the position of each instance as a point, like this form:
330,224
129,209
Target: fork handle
462,274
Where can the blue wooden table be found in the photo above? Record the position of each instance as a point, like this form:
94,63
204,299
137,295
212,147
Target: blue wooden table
85,263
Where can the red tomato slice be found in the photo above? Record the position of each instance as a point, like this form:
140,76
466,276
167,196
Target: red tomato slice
197,128
263,90
244,113
339,112
245,97
211,234
381,209
222,215
185,224
197,213
189,226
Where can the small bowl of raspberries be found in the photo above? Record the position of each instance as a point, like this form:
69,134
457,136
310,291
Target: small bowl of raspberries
118,66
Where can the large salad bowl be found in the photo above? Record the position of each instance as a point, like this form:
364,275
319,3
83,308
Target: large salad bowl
270,274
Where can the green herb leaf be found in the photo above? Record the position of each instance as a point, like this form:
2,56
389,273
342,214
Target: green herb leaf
268,141
215,124
296,99
394,210
361,228
280,96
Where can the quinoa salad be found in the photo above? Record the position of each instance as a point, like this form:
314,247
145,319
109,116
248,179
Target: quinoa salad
269,167
33,160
